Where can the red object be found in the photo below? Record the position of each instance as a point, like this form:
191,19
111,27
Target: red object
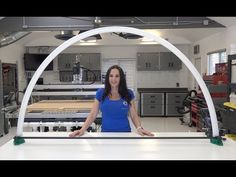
220,76
220,79
208,77
221,68
214,95
219,95
194,107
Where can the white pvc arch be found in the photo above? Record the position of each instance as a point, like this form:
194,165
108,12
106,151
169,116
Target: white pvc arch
66,44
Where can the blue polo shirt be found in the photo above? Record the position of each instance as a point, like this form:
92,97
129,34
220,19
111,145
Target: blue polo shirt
114,113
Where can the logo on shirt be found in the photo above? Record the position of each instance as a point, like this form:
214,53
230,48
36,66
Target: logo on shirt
125,103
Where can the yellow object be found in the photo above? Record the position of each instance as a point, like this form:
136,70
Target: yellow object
229,104
231,136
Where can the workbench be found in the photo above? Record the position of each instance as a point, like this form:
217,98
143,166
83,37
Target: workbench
61,105
118,149
76,110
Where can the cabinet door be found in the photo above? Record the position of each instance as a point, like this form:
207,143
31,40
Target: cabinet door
95,61
165,60
84,60
147,61
176,63
91,61
169,61
66,62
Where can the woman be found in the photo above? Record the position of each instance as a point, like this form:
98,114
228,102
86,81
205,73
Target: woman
115,101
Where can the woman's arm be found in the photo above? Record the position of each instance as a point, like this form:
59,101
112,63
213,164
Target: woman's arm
137,122
89,120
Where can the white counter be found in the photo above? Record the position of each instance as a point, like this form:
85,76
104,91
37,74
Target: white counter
118,149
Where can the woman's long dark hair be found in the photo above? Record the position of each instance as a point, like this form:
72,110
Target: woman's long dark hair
123,90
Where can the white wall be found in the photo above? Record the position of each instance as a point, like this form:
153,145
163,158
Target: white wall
152,79
221,40
11,53
14,54
158,78
122,49
161,79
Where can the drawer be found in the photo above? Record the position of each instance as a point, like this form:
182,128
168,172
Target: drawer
175,98
152,101
152,110
171,110
152,96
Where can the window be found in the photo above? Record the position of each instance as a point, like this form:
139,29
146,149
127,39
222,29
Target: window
213,58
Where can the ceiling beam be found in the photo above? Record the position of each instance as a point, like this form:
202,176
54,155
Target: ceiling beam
45,23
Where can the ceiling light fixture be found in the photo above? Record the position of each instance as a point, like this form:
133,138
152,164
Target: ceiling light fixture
93,38
155,32
89,41
147,39
128,35
65,35
149,42
97,20
205,22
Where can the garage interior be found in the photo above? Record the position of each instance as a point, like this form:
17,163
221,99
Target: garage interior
167,97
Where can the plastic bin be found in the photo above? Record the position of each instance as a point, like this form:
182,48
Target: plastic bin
229,119
232,98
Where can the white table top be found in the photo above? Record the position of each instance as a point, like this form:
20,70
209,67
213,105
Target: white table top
118,149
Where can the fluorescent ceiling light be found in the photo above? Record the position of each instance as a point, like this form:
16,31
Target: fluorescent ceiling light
149,42
89,41
155,32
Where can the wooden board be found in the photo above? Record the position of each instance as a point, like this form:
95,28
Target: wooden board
61,105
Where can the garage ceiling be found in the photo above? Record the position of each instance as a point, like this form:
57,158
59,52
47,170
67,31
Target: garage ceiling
85,23
190,29
160,22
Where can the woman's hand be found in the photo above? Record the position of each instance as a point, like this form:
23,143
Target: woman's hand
76,133
143,132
